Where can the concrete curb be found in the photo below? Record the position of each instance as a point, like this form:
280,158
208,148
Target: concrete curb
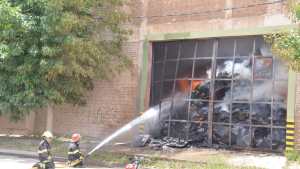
26,154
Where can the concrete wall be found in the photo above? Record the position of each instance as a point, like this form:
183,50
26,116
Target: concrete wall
297,112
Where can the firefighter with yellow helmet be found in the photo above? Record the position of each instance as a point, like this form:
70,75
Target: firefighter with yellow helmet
75,157
44,152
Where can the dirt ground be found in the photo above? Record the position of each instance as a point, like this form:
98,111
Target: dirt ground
206,155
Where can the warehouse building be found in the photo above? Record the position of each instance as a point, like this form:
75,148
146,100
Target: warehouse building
211,56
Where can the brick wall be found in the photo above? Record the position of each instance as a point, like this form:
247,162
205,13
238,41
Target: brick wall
208,15
110,105
8,127
113,103
40,122
23,127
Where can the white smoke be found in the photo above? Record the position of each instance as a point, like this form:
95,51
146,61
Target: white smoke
152,126
152,113
208,72
224,107
240,70
227,68
151,118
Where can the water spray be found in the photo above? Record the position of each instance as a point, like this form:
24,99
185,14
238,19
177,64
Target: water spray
149,114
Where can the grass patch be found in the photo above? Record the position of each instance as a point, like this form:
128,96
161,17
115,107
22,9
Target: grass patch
115,159
293,156
110,159
172,164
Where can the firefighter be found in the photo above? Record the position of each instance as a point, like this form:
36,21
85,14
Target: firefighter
75,157
44,152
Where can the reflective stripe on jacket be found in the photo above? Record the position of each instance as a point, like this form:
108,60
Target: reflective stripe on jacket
44,152
75,157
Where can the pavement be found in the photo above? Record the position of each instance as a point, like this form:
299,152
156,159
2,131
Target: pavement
18,153
25,154
260,161
14,159
15,162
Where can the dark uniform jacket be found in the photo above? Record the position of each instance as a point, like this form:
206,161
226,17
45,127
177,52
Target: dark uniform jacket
75,157
45,156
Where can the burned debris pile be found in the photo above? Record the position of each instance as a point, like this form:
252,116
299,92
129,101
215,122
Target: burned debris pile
234,93
159,144
239,117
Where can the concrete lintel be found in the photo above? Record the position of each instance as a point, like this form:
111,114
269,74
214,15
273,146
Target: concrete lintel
219,33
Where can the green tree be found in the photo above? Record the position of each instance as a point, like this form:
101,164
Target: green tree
52,50
286,45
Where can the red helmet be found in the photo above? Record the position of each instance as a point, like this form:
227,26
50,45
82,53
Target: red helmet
130,166
75,137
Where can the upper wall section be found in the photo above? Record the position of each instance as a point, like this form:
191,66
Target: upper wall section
170,16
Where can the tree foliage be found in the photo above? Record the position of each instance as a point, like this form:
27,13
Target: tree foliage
287,44
52,50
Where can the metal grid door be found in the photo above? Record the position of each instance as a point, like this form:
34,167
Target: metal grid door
225,92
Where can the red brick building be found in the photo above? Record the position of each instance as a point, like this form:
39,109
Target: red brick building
114,103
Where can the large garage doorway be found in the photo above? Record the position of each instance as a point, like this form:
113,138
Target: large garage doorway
232,92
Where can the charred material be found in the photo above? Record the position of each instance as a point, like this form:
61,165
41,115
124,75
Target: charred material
221,113
279,114
278,142
197,130
261,138
141,140
158,144
261,114
220,136
241,136
241,113
198,134
241,96
199,111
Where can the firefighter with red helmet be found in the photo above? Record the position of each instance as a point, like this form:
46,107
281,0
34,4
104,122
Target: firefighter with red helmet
44,152
75,157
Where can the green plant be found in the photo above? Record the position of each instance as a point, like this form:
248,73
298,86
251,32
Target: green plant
293,155
51,51
286,45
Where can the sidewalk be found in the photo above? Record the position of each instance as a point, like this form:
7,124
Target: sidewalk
60,161
25,154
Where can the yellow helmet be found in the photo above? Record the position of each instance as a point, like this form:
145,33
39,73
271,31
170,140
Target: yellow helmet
47,134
